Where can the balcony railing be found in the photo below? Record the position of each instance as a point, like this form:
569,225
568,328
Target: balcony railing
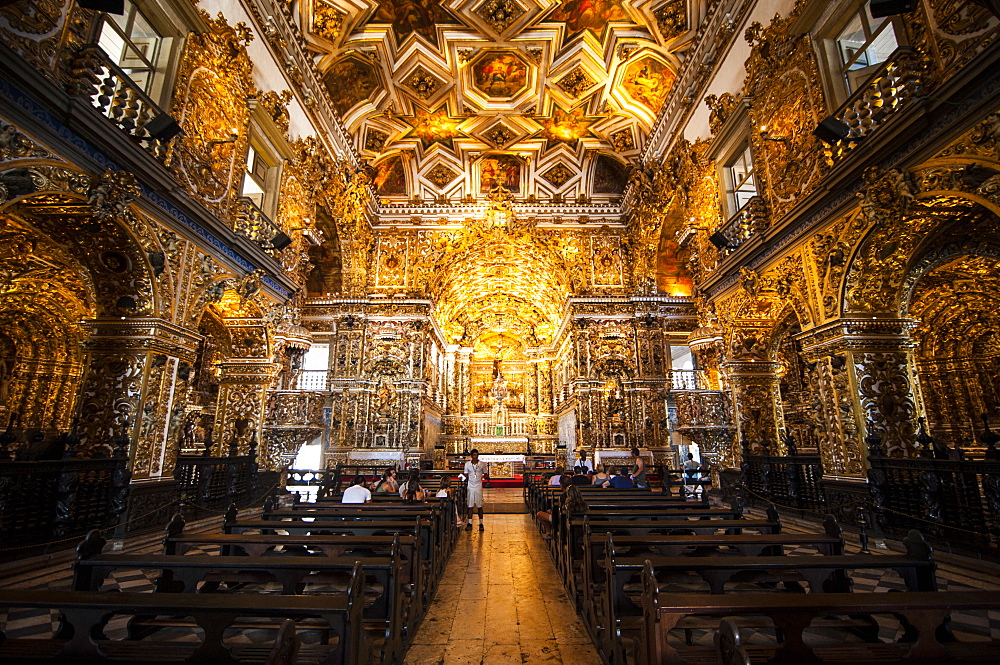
251,223
890,88
748,220
112,92
685,379
312,379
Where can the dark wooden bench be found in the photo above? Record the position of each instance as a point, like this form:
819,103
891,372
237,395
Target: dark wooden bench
822,573
923,614
84,615
386,609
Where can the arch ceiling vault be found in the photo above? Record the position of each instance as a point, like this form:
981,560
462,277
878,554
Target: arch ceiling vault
448,98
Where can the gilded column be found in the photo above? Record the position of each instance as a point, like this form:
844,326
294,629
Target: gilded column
131,377
863,376
756,403
243,384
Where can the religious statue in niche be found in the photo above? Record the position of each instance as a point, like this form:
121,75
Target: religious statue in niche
499,394
385,399
616,400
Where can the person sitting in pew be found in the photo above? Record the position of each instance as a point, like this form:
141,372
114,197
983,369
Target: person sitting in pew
579,479
556,478
544,516
621,481
444,491
357,492
411,490
601,478
388,483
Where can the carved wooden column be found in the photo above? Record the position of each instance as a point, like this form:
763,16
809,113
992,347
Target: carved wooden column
862,372
135,369
756,402
243,384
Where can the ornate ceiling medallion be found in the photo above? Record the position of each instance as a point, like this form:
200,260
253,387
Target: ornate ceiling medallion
558,175
566,127
441,176
671,19
576,82
500,14
433,127
623,140
422,83
375,140
500,135
328,21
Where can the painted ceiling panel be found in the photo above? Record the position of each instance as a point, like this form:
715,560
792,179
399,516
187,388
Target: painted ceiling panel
473,93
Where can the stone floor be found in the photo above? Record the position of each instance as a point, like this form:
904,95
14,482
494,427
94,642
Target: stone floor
501,602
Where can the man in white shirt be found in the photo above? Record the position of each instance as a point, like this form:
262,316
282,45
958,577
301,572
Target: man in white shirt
357,492
475,472
584,465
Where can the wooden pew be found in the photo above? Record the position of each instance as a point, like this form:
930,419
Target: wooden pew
823,574
84,615
386,612
440,513
925,613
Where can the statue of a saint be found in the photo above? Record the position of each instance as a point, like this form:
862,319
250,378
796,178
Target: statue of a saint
384,399
499,394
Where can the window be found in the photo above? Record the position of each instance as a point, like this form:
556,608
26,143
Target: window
864,43
255,177
136,46
740,182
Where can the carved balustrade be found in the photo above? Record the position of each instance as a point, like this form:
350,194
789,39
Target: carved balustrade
749,220
953,501
214,482
312,379
792,481
897,82
45,500
112,92
250,222
685,379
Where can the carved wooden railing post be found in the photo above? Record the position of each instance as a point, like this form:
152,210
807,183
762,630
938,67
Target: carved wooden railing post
7,439
121,478
876,477
989,439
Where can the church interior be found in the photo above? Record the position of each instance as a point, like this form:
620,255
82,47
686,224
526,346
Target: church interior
710,289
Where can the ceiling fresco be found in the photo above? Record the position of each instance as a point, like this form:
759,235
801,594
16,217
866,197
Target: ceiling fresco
551,99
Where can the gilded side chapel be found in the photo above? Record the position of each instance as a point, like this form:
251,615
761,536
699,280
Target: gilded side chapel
741,255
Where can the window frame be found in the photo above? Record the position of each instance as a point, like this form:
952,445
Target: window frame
271,145
826,39
732,141
172,20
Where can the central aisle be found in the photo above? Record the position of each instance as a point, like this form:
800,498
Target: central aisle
501,602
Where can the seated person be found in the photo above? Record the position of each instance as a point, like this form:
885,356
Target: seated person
544,516
357,492
621,481
411,490
388,484
556,477
601,478
579,479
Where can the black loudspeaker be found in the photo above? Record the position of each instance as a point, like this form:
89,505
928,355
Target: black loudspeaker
720,241
281,241
163,127
109,6
831,130
880,8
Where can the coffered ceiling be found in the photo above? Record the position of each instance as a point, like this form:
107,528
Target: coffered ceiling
448,98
